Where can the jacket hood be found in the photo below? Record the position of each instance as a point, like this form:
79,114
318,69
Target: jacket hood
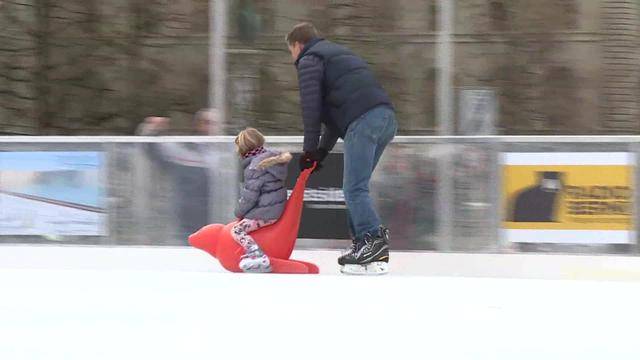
267,162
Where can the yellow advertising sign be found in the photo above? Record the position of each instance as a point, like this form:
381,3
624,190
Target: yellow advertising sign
567,191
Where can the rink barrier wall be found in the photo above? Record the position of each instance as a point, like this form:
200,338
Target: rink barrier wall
438,193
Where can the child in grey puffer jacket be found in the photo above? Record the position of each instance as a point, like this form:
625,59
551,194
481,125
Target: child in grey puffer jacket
262,198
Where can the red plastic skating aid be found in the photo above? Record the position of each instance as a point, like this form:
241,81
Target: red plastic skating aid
277,240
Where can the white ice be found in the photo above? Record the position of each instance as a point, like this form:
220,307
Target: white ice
176,303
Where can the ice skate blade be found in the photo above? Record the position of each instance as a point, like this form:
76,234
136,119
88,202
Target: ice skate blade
374,268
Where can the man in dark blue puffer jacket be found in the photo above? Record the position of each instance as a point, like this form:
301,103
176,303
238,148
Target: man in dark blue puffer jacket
339,91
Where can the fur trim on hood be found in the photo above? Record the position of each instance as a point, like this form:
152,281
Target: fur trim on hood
283,158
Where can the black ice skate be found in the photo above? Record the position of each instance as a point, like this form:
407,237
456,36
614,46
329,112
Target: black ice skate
367,257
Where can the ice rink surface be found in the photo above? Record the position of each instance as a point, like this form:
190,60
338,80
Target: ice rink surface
176,303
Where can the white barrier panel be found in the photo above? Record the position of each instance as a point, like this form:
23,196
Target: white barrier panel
434,193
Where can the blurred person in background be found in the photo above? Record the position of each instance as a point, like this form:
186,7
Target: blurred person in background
339,91
189,167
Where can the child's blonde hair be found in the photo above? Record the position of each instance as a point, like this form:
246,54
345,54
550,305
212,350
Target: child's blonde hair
249,139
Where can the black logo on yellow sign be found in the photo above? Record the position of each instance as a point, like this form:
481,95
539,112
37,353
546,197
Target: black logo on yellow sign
539,203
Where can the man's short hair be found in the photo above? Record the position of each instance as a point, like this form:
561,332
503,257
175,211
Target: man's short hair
302,33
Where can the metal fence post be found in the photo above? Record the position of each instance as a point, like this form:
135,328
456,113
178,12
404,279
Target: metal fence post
217,56
444,104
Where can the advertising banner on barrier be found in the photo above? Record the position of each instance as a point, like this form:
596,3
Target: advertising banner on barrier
52,193
568,198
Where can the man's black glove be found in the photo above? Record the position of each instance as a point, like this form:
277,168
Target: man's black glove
309,157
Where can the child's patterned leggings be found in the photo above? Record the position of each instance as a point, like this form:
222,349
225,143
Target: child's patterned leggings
241,230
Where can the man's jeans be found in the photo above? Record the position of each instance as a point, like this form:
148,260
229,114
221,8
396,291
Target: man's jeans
364,143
